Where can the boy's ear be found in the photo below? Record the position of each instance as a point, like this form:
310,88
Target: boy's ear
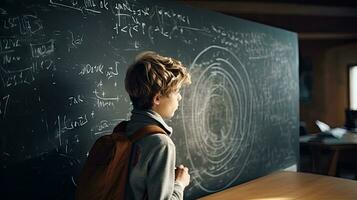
156,99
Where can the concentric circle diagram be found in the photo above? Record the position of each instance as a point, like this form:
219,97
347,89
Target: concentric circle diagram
217,118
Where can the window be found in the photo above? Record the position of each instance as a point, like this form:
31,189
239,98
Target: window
353,87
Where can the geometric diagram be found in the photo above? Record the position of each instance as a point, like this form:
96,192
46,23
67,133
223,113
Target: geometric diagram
217,111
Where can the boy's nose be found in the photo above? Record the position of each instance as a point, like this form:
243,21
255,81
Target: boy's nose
179,97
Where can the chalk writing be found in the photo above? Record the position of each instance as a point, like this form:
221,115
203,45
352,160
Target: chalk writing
104,4
104,102
17,77
59,131
105,126
108,71
3,105
111,72
42,49
7,44
134,20
3,11
84,6
24,24
254,43
76,41
69,124
132,16
102,127
7,59
164,14
75,100
89,69
46,64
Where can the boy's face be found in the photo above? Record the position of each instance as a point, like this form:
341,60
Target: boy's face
167,105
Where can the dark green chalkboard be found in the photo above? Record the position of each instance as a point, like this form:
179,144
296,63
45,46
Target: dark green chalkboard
61,87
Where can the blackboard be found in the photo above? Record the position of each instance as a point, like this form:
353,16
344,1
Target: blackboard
61,77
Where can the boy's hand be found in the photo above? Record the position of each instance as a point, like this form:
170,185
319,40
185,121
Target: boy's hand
182,176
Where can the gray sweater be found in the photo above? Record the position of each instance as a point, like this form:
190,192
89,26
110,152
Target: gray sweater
153,161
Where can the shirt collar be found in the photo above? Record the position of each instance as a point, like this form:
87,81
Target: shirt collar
150,116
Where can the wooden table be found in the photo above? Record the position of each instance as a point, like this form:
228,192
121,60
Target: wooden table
284,185
336,145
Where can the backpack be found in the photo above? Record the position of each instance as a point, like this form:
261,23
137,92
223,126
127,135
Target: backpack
106,171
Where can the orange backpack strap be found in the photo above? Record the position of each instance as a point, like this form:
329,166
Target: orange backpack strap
121,127
146,130
142,132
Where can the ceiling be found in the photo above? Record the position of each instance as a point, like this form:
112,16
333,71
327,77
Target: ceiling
312,20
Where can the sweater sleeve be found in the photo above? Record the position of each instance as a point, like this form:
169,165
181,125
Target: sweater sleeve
161,182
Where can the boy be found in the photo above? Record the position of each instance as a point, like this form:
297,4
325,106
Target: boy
153,83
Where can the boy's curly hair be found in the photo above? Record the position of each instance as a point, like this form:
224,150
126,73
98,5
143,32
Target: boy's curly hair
152,73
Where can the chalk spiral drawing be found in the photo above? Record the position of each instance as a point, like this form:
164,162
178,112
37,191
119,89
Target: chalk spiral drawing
218,118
